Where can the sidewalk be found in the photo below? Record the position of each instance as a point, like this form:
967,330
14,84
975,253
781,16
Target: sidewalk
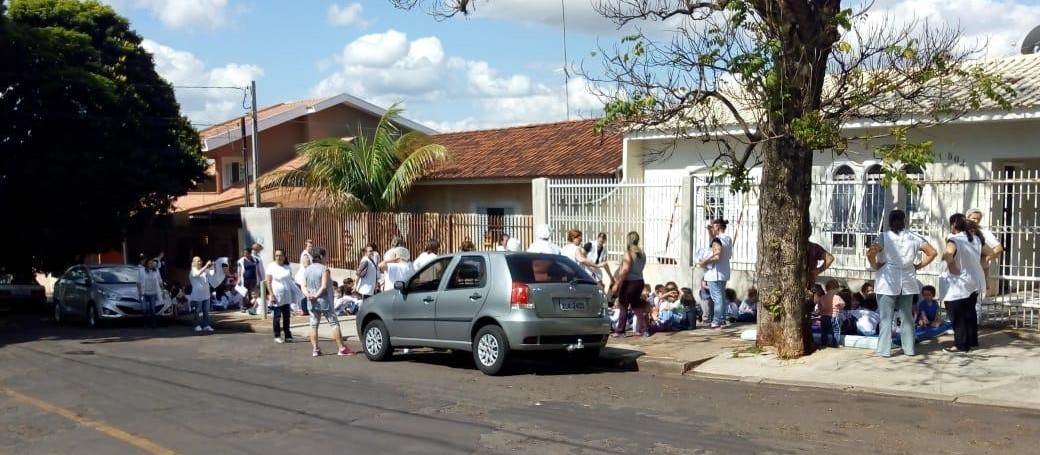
235,321
1004,372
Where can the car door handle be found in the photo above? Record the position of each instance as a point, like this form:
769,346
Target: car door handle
474,296
428,300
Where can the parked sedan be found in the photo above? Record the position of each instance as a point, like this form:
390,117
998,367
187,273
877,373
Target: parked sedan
101,292
489,304
21,291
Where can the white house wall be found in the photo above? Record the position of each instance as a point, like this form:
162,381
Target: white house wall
966,152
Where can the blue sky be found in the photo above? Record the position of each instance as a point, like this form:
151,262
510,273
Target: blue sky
499,67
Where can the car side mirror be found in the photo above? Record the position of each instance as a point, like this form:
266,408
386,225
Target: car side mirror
399,285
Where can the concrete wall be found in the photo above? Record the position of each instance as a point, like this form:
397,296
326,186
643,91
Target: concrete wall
257,228
467,198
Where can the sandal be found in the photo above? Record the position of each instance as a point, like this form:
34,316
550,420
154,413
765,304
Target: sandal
952,350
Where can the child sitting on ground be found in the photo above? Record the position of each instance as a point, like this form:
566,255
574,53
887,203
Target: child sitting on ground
732,305
668,308
831,306
348,301
651,297
693,311
928,308
748,310
866,317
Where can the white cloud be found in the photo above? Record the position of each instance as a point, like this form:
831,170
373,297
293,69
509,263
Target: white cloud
184,14
203,106
387,67
346,15
999,25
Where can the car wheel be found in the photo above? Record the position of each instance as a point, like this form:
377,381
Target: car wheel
376,341
92,316
491,350
59,312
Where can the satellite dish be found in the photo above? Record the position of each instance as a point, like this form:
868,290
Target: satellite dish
1032,42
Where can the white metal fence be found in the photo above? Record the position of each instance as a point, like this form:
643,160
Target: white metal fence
846,215
653,209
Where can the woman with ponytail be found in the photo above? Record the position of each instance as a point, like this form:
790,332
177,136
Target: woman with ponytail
962,281
628,286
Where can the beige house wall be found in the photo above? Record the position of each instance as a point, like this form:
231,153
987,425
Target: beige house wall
468,198
339,121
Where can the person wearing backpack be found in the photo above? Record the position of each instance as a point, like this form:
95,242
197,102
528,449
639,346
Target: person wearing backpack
368,272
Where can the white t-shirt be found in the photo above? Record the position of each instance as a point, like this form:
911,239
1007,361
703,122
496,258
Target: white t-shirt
397,271
423,259
305,259
719,270
282,284
543,246
866,320
971,278
199,285
896,274
597,254
988,238
366,285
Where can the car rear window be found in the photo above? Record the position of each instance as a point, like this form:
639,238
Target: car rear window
546,268
114,274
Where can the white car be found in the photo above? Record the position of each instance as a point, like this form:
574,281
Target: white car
100,292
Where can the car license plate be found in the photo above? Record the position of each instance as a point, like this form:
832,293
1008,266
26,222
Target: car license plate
572,304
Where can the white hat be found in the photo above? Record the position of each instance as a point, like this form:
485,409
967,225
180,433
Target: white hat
543,231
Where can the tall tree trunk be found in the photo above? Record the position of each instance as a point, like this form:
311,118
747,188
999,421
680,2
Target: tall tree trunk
784,230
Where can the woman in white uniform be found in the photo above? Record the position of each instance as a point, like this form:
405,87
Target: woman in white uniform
894,257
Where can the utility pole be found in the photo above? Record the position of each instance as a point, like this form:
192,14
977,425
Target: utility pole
245,158
256,149
262,307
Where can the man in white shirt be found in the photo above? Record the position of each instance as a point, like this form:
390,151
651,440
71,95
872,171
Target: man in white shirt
988,239
598,254
542,244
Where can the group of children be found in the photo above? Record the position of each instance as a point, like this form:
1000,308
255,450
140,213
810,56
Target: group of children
667,307
841,312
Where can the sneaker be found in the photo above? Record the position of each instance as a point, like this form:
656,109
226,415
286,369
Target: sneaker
278,340
288,340
208,328
646,334
714,326
198,328
316,353
345,351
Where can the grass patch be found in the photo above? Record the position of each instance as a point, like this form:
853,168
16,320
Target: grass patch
749,351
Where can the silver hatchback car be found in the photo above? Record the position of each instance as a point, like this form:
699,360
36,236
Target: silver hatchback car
489,304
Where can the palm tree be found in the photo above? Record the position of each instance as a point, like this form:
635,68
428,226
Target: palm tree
364,173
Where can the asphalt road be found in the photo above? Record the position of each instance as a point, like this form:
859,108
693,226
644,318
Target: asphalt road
129,390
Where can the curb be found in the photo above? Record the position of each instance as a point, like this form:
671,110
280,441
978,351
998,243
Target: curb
959,399
250,326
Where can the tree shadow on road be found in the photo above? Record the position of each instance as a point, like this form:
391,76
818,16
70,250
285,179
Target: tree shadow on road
26,327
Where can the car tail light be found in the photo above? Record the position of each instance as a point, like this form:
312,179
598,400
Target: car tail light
520,296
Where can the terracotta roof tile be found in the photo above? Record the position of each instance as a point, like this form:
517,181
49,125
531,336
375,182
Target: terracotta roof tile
562,149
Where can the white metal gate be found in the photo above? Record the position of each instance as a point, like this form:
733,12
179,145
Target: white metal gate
651,208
